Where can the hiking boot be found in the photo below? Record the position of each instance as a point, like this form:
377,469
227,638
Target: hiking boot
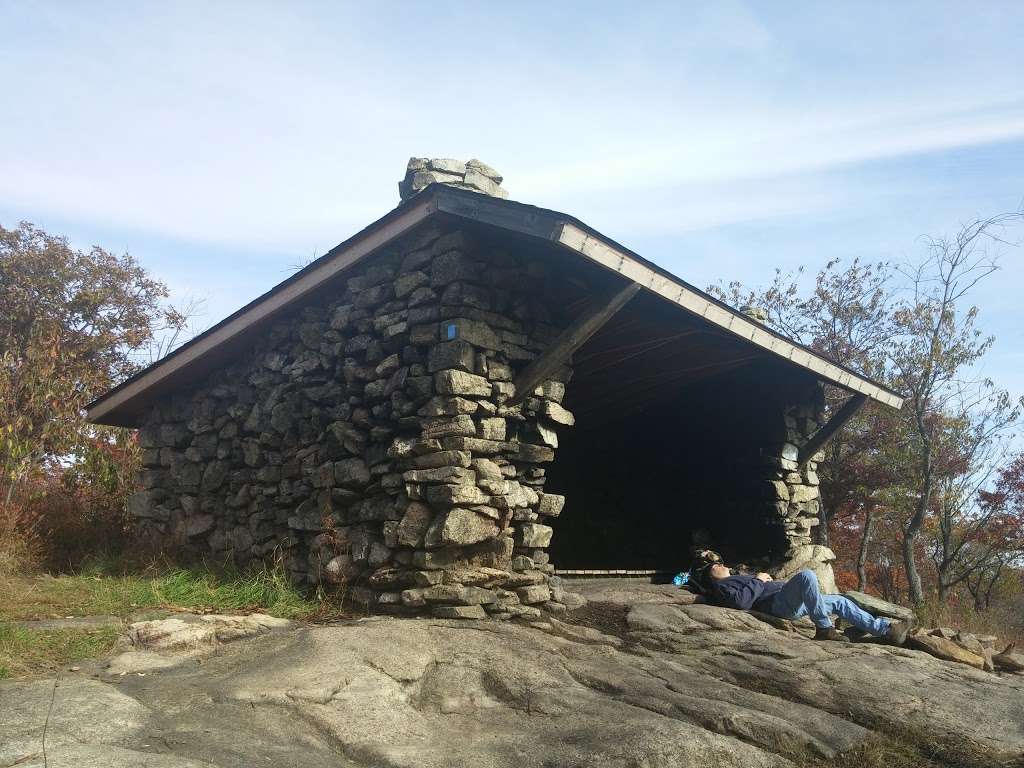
827,633
897,634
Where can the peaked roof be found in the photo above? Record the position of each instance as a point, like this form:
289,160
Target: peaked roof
125,404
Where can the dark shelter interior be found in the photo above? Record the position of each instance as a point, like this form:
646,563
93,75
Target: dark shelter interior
673,421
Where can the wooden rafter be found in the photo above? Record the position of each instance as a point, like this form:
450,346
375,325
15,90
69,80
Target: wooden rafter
829,429
571,339
627,351
684,352
647,389
649,375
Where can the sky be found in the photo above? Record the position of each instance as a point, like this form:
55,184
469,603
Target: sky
223,144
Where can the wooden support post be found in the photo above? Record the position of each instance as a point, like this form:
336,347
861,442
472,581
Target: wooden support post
569,340
829,429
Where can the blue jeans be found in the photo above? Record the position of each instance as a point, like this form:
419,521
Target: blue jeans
802,597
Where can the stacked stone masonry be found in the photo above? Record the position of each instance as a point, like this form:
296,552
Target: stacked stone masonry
472,175
368,439
793,494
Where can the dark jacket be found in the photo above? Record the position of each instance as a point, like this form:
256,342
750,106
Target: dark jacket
745,593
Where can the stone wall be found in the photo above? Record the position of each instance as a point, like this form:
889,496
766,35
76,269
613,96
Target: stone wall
366,439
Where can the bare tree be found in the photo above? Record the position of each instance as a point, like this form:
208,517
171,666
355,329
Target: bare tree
173,336
934,353
976,443
1002,537
982,581
862,550
894,471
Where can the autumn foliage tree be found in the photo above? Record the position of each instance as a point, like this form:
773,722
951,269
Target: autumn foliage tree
999,545
932,360
72,323
909,485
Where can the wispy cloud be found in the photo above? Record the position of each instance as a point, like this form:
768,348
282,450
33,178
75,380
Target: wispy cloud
223,142
284,128
779,145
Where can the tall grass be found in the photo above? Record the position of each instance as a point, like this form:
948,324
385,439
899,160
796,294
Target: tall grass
1004,620
31,651
264,588
26,650
96,591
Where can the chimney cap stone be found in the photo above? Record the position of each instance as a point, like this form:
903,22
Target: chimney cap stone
758,314
474,175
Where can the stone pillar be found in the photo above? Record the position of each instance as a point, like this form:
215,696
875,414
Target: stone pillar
794,493
471,532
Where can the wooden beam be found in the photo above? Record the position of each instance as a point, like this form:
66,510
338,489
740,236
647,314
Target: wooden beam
619,386
569,340
627,351
829,429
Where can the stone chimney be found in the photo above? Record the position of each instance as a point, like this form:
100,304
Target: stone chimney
472,175
757,314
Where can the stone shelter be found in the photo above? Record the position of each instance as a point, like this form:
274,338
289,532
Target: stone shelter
416,413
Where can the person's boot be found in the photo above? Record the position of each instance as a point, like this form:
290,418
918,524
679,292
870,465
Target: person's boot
897,634
827,633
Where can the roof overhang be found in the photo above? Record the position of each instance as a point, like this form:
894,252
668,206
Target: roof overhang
125,405
699,303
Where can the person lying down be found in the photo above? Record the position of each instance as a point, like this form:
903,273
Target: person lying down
793,598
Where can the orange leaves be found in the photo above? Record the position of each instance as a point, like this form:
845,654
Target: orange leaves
71,323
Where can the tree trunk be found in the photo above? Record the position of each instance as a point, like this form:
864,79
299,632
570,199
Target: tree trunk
943,576
991,585
821,534
862,552
910,564
913,529
832,468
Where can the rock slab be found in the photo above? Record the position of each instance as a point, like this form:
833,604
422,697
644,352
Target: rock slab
659,684
879,607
